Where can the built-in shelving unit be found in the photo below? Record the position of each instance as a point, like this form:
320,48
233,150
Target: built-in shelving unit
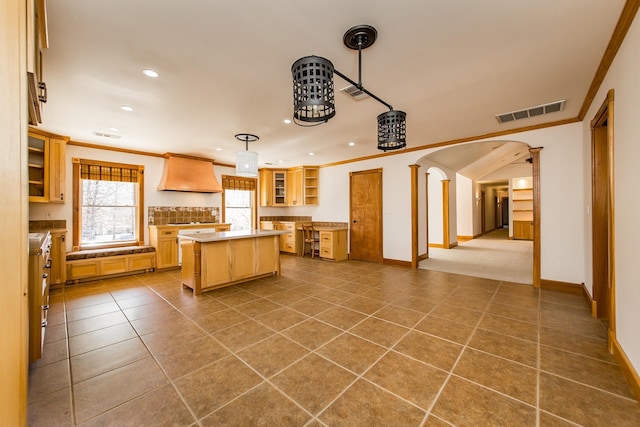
522,209
37,148
311,185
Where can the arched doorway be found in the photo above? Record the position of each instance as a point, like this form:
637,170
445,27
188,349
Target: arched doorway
482,182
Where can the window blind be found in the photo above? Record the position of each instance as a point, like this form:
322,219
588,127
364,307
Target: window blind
230,182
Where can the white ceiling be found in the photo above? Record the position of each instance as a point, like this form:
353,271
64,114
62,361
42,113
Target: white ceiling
225,68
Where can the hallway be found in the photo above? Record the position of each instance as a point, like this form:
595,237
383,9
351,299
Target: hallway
491,256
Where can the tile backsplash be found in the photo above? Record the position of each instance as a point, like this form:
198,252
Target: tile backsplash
161,215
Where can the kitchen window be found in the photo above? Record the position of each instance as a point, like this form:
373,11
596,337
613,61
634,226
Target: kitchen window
239,202
107,204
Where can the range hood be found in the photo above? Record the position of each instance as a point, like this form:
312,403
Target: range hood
186,173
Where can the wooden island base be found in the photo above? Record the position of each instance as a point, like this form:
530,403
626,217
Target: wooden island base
216,260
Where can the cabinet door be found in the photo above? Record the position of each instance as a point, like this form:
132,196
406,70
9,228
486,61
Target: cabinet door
58,272
167,252
294,187
57,178
523,230
279,188
266,187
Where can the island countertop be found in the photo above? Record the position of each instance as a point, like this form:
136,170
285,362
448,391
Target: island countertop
231,235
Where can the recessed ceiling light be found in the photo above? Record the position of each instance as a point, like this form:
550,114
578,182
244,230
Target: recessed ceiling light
280,161
287,121
150,73
218,149
311,154
351,144
114,129
126,108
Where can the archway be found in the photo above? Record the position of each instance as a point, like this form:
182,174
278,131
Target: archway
481,176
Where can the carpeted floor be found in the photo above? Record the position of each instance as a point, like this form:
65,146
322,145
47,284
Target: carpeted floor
492,256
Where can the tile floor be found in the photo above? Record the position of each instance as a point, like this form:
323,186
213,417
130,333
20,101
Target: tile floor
335,344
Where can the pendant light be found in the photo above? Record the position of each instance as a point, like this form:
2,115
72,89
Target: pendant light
247,161
314,95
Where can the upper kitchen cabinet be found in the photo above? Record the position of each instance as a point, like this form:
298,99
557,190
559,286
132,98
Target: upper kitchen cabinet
266,187
289,187
273,187
37,41
294,187
46,161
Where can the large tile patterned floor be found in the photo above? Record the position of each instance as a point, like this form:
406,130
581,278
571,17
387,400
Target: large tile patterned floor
335,344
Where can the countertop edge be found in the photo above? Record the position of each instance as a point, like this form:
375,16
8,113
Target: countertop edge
231,235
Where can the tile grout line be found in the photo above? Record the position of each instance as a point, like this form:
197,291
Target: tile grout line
455,363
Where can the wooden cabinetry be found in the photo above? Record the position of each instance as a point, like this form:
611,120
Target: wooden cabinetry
37,41
273,187
295,187
333,244
288,242
523,230
39,266
166,241
289,187
58,273
522,209
214,264
311,179
266,187
46,165
279,188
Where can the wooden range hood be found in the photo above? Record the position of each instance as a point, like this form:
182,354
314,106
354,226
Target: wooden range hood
187,173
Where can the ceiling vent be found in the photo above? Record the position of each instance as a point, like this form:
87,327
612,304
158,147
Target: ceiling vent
538,110
107,135
355,93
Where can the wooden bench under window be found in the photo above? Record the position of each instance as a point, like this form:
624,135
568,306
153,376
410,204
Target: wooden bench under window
99,263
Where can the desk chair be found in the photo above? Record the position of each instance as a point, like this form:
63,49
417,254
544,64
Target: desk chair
309,238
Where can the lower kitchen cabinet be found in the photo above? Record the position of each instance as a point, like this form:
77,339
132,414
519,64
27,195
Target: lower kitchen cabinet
289,243
333,244
39,270
166,241
58,274
166,244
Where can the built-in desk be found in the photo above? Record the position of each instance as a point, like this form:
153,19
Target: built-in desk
332,241
215,260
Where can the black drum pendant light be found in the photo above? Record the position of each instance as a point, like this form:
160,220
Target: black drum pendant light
313,91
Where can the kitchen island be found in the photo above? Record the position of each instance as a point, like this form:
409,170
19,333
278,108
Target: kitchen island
215,260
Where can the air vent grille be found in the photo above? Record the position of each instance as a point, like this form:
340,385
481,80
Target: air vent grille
355,93
107,135
538,110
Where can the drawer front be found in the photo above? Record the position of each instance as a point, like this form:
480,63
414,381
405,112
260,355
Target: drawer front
326,252
168,233
326,238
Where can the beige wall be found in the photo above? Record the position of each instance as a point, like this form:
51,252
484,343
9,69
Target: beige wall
623,78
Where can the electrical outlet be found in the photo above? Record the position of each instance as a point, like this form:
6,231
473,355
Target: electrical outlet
48,214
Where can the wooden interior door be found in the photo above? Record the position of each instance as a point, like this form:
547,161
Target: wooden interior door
601,148
365,189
